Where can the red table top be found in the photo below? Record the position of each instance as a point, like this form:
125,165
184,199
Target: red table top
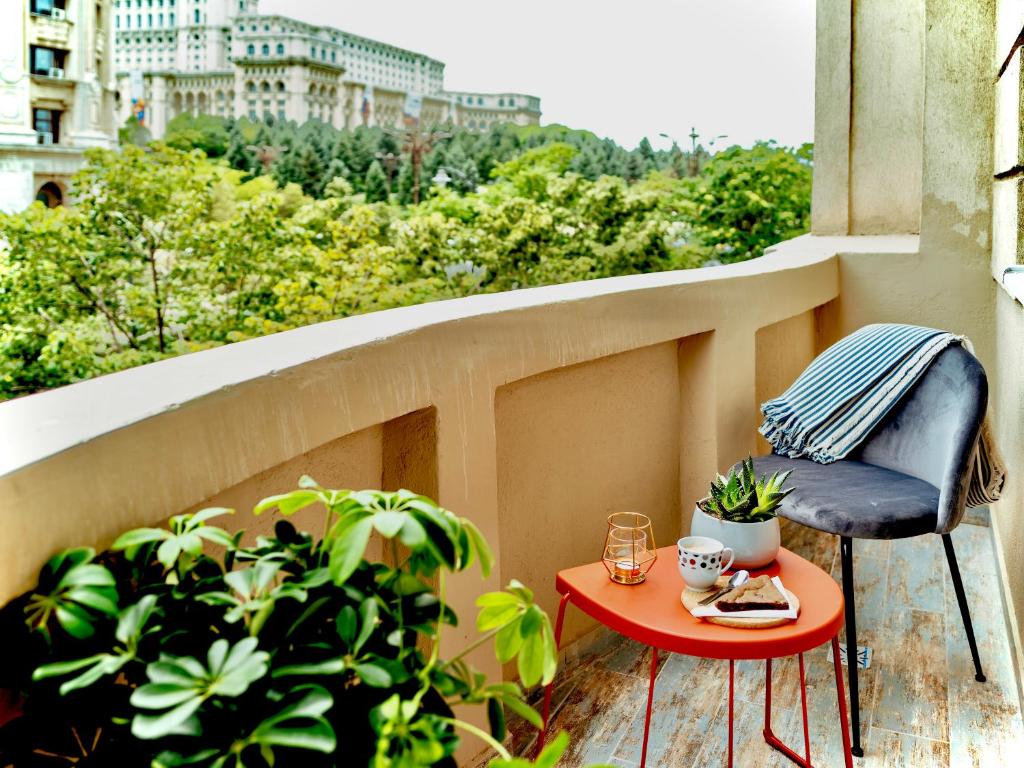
653,614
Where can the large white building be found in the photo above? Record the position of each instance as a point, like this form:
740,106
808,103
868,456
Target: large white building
56,94
223,57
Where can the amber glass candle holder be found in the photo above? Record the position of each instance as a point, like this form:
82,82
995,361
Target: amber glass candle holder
629,549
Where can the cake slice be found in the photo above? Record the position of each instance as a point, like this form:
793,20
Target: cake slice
758,594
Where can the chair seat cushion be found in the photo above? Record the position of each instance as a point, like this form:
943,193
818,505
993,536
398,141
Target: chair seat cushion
851,498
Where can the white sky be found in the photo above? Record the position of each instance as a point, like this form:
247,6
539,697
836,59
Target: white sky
620,68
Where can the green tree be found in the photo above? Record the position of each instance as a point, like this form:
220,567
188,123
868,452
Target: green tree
753,198
375,186
404,184
108,271
206,132
167,252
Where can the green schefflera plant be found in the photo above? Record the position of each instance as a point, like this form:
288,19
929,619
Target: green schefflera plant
296,651
743,497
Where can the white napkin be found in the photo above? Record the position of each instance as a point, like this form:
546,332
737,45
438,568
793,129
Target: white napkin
703,611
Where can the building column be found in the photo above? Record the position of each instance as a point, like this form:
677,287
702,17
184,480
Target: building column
156,107
16,171
15,101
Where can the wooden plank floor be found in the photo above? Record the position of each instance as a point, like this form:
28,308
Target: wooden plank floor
920,704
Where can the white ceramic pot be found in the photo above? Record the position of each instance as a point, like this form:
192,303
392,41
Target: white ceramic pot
755,544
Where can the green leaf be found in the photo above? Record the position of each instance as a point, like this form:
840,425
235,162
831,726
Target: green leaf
156,726
373,675
299,725
368,622
289,503
345,624
138,537
516,588
496,719
532,620
489,599
483,551
388,523
507,642
59,668
348,548
216,536
524,710
168,552
160,695
548,757
531,660
329,667
496,616
208,514
75,621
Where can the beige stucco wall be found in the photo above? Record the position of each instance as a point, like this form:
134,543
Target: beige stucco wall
783,350
575,445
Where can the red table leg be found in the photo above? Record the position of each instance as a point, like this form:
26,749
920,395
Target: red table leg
732,674
770,738
548,687
841,692
650,705
803,705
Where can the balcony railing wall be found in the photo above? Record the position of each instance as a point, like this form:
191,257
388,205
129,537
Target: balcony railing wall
535,412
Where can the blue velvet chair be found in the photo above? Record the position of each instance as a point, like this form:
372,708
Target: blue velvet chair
908,478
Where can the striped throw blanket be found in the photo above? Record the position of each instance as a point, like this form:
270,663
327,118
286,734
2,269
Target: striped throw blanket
847,390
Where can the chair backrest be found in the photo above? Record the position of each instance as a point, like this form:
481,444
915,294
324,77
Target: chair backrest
932,431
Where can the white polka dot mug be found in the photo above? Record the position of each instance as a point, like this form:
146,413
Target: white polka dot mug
702,560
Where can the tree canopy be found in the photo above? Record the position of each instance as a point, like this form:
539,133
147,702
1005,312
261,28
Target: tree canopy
167,251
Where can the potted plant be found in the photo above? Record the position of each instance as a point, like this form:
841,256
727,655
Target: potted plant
740,511
292,651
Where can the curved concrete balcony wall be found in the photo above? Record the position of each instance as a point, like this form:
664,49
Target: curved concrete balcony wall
536,413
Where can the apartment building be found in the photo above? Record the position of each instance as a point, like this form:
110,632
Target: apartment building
57,94
224,57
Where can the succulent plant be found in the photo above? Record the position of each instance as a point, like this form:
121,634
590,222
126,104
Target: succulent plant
742,497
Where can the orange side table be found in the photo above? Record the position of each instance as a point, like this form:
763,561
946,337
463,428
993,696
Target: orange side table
651,613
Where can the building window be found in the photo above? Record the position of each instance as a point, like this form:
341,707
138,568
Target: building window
280,49
312,52
265,50
46,7
171,15
46,123
196,15
250,49
46,60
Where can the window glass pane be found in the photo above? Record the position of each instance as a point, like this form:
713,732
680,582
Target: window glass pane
42,60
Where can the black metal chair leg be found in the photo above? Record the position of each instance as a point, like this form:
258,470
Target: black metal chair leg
965,612
846,559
